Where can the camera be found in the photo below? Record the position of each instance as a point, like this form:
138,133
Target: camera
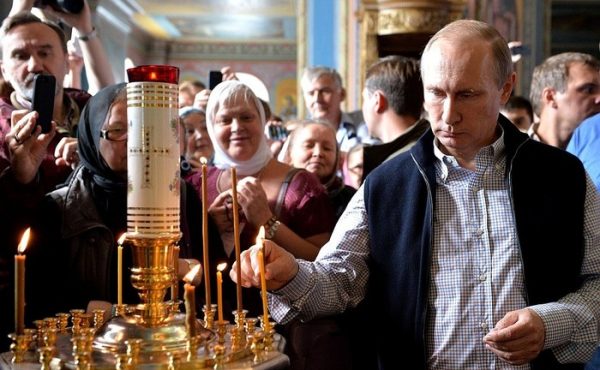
65,6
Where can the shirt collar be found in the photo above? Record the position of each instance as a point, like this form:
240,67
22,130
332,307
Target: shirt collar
492,153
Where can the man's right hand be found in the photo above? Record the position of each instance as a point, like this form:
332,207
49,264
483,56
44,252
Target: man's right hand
27,145
280,267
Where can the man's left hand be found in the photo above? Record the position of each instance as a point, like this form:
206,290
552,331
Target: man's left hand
518,337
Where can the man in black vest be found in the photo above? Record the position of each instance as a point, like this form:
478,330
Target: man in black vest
478,249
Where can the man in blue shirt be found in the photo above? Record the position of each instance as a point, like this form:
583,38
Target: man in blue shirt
585,144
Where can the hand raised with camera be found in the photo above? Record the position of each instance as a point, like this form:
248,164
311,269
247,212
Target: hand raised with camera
27,145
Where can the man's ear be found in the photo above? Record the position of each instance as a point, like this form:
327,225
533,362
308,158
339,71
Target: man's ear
381,102
508,87
343,94
549,97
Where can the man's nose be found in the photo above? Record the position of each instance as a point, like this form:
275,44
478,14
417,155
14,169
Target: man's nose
34,64
450,114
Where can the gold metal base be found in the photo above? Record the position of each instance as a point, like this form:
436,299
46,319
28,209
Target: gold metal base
170,337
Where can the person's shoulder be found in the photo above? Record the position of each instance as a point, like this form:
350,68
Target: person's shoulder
355,117
589,125
540,153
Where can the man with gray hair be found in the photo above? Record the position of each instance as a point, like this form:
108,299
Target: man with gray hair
323,93
565,90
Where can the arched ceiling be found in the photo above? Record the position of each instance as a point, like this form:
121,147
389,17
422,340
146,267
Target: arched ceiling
189,20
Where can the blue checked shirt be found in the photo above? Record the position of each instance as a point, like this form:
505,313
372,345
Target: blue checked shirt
475,229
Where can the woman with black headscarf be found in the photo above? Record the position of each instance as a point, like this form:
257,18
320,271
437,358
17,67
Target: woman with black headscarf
74,255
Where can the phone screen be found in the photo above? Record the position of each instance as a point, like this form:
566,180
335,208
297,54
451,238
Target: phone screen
43,100
214,78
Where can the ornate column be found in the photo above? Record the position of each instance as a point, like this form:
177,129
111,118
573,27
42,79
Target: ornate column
396,17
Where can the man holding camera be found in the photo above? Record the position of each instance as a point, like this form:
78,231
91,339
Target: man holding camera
31,162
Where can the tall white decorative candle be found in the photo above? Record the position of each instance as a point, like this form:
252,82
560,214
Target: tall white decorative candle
153,152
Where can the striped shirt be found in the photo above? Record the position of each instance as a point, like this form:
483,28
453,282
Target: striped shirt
476,270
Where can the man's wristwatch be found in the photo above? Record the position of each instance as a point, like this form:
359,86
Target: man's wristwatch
271,227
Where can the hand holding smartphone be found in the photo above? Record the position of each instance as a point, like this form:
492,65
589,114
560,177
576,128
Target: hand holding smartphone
43,100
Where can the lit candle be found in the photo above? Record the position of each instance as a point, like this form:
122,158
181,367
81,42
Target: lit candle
20,283
263,281
175,286
220,268
205,234
189,297
236,236
120,269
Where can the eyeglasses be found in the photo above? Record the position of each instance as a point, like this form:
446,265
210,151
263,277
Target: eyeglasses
115,134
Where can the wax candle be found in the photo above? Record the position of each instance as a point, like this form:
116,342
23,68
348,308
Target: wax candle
220,268
175,286
236,235
189,297
205,234
260,240
120,269
20,283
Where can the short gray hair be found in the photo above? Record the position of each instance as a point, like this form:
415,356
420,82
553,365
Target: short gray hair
554,73
312,73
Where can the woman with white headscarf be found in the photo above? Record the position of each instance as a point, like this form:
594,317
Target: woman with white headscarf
291,204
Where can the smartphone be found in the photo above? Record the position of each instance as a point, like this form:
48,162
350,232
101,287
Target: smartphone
519,50
44,88
214,78
277,132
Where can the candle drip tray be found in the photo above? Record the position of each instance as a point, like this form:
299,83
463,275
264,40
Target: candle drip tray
168,337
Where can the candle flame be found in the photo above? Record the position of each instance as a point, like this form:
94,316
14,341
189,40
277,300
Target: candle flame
189,277
153,75
261,234
24,241
222,266
203,160
122,238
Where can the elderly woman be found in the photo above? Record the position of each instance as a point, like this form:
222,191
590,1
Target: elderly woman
313,146
195,140
291,204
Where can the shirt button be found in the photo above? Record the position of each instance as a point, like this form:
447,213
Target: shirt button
484,325
483,277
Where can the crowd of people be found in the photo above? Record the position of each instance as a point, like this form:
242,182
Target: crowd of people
446,221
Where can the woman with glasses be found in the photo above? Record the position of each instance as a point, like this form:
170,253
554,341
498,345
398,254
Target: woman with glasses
73,255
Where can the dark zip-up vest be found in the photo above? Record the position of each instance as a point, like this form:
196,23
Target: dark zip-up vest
547,190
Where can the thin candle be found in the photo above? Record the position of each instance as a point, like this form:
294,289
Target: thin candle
205,234
120,269
220,269
236,235
189,297
20,283
175,286
263,281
